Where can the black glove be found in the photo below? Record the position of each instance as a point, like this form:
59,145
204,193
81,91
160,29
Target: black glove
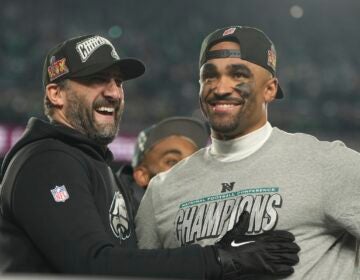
270,253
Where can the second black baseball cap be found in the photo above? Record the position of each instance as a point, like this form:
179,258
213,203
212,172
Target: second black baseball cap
192,128
255,47
86,55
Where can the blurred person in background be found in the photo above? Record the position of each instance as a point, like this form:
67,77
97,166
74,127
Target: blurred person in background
285,181
62,209
158,148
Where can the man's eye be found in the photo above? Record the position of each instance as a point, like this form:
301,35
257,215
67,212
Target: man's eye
238,75
171,162
208,79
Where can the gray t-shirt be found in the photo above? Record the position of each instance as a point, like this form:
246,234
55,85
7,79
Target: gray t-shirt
293,182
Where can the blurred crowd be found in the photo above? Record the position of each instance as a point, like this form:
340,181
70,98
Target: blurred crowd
318,56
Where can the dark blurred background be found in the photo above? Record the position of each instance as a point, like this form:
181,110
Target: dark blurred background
317,41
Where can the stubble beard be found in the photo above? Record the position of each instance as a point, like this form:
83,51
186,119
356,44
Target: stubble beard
81,118
225,125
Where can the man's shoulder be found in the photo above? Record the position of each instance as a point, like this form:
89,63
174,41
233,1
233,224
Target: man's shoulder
48,148
304,139
306,144
185,168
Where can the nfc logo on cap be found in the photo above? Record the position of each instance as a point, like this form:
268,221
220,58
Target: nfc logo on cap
229,31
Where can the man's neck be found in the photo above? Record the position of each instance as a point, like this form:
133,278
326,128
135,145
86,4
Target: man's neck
241,147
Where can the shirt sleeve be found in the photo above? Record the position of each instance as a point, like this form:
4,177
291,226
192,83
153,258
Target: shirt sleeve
146,225
71,235
342,189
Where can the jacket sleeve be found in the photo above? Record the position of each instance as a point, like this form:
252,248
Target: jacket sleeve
71,235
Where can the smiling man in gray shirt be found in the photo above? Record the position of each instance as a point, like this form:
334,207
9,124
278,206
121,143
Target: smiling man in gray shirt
286,181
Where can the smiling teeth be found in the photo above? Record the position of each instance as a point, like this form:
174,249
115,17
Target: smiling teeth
224,105
106,109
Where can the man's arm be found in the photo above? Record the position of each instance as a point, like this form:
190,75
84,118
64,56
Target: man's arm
72,236
341,189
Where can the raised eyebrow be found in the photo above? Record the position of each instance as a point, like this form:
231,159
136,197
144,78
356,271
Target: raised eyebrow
209,68
171,151
239,67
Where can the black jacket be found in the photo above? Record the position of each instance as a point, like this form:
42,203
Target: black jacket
62,210
126,179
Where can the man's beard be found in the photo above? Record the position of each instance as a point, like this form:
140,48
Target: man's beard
81,118
224,127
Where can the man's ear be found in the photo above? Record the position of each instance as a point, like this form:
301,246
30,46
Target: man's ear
270,90
55,94
141,176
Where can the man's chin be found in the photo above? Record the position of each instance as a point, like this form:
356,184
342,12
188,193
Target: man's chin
224,122
103,139
105,134
226,128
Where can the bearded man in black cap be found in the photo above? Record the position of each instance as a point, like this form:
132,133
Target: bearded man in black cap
62,209
285,181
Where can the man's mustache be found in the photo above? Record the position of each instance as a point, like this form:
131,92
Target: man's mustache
103,102
217,98
243,90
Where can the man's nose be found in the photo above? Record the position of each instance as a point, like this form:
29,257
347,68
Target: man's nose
223,86
113,89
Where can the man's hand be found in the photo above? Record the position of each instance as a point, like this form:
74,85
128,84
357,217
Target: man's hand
270,253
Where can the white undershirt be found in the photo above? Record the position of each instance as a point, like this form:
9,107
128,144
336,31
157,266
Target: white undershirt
242,147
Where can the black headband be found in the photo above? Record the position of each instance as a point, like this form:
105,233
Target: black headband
222,54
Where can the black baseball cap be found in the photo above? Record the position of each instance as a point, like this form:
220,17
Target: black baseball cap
192,128
86,55
255,47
